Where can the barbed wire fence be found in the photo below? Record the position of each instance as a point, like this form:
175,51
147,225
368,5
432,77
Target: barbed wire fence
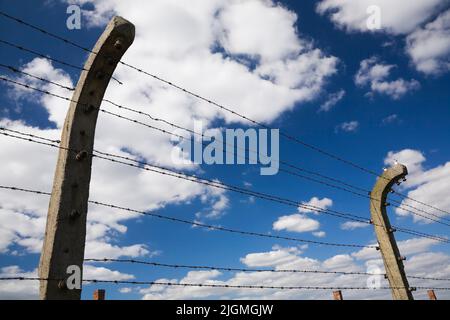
288,168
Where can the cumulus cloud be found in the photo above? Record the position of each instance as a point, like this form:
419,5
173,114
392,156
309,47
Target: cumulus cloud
390,119
332,100
323,203
11,290
29,289
420,262
197,44
255,43
300,222
429,46
352,225
296,223
350,126
397,17
428,186
319,234
375,74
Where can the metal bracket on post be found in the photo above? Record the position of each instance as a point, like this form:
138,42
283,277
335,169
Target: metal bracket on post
393,261
65,232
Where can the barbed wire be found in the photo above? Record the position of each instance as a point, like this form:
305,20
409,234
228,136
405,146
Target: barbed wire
281,169
226,286
289,137
199,224
211,285
41,55
230,269
166,132
181,266
418,201
44,56
188,130
15,70
400,205
142,165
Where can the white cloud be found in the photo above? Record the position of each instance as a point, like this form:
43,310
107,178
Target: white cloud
323,203
390,119
272,258
319,234
242,22
100,249
29,289
125,290
352,225
397,17
201,48
210,42
101,273
296,223
406,247
420,262
375,74
339,262
429,47
12,290
350,126
332,100
427,186
412,159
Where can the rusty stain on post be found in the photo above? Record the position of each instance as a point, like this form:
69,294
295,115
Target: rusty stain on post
337,295
99,294
393,261
431,295
65,232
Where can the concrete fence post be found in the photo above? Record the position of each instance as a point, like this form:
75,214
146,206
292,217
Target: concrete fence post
393,261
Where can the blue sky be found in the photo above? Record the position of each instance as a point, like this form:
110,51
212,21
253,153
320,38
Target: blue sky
413,125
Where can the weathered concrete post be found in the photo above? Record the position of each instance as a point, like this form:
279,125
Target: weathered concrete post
431,295
393,261
65,232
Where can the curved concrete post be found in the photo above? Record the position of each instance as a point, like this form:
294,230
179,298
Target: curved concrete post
393,261
65,232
